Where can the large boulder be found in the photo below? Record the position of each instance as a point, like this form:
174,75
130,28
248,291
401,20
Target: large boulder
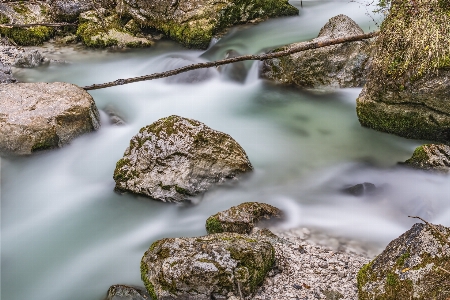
343,65
38,116
413,266
431,157
194,22
408,88
69,10
204,268
241,218
175,158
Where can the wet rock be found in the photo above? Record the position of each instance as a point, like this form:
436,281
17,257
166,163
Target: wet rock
29,59
343,65
126,292
408,89
413,266
235,71
361,189
6,74
194,22
175,158
19,57
431,157
104,28
38,116
204,268
241,218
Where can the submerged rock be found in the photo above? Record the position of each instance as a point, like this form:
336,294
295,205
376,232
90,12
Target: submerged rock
194,22
126,292
204,268
361,189
38,116
431,157
175,158
413,266
408,89
241,218
343,65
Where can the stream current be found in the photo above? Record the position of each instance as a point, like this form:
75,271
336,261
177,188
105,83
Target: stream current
66,235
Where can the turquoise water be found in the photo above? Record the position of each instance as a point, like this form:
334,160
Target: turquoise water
66,235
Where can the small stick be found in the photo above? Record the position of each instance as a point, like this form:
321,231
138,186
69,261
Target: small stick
432,226
443,270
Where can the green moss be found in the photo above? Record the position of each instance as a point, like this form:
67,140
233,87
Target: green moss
363,276
44,145
148,285
4,19
213,225
21,9
28,36
391,279
401,260
120,174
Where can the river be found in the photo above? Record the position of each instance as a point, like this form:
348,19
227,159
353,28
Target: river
66,235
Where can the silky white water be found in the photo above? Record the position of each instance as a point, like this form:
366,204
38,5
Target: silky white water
66,235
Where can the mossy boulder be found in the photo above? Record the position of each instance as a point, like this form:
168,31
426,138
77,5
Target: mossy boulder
241,218
26,12
176,158
104,28
408,88
126,292
39,116
194,22
207,267
343,65
431,157
413,266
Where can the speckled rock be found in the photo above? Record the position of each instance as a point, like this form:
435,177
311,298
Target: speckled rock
175,158
126,292
194,22
69,11
431,157
38,116
204,268
413,266
241,218
343,65
6,74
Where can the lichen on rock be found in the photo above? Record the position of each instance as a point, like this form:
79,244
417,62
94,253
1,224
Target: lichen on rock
241,218
431,157
343,65
408,88
413,266
126,292
207,267
176,158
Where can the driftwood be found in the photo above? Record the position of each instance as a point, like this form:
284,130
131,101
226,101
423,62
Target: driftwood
36,24
261,57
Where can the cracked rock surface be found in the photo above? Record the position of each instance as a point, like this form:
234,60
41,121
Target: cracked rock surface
431,157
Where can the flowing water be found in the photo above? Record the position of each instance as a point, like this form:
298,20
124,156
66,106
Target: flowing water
66,235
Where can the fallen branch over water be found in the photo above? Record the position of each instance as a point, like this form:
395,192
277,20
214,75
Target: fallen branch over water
303,47
432,227
36,24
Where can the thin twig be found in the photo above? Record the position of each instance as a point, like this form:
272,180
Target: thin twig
442,269
36,24
433,227
302,47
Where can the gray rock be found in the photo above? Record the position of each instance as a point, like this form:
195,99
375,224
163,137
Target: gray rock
343,65
175,158
6,74
408,89
69,11
38,116
194,22
29,59
361,189
431,157
241,218
413,266
204,268
126,292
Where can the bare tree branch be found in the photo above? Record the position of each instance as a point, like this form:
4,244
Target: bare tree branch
432,227
36,24
302,47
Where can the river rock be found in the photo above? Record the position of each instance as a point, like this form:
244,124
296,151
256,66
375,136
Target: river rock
194,22
241,218
431,157
413,266
343,65
38,116
204,268
175,158
6,74
69,11
408,89
126,292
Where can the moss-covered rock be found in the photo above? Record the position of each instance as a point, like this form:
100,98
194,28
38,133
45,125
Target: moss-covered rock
175,158
408,88
343,65
413,266
126,292
194,22
204,268
102,28
241,218
431,157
